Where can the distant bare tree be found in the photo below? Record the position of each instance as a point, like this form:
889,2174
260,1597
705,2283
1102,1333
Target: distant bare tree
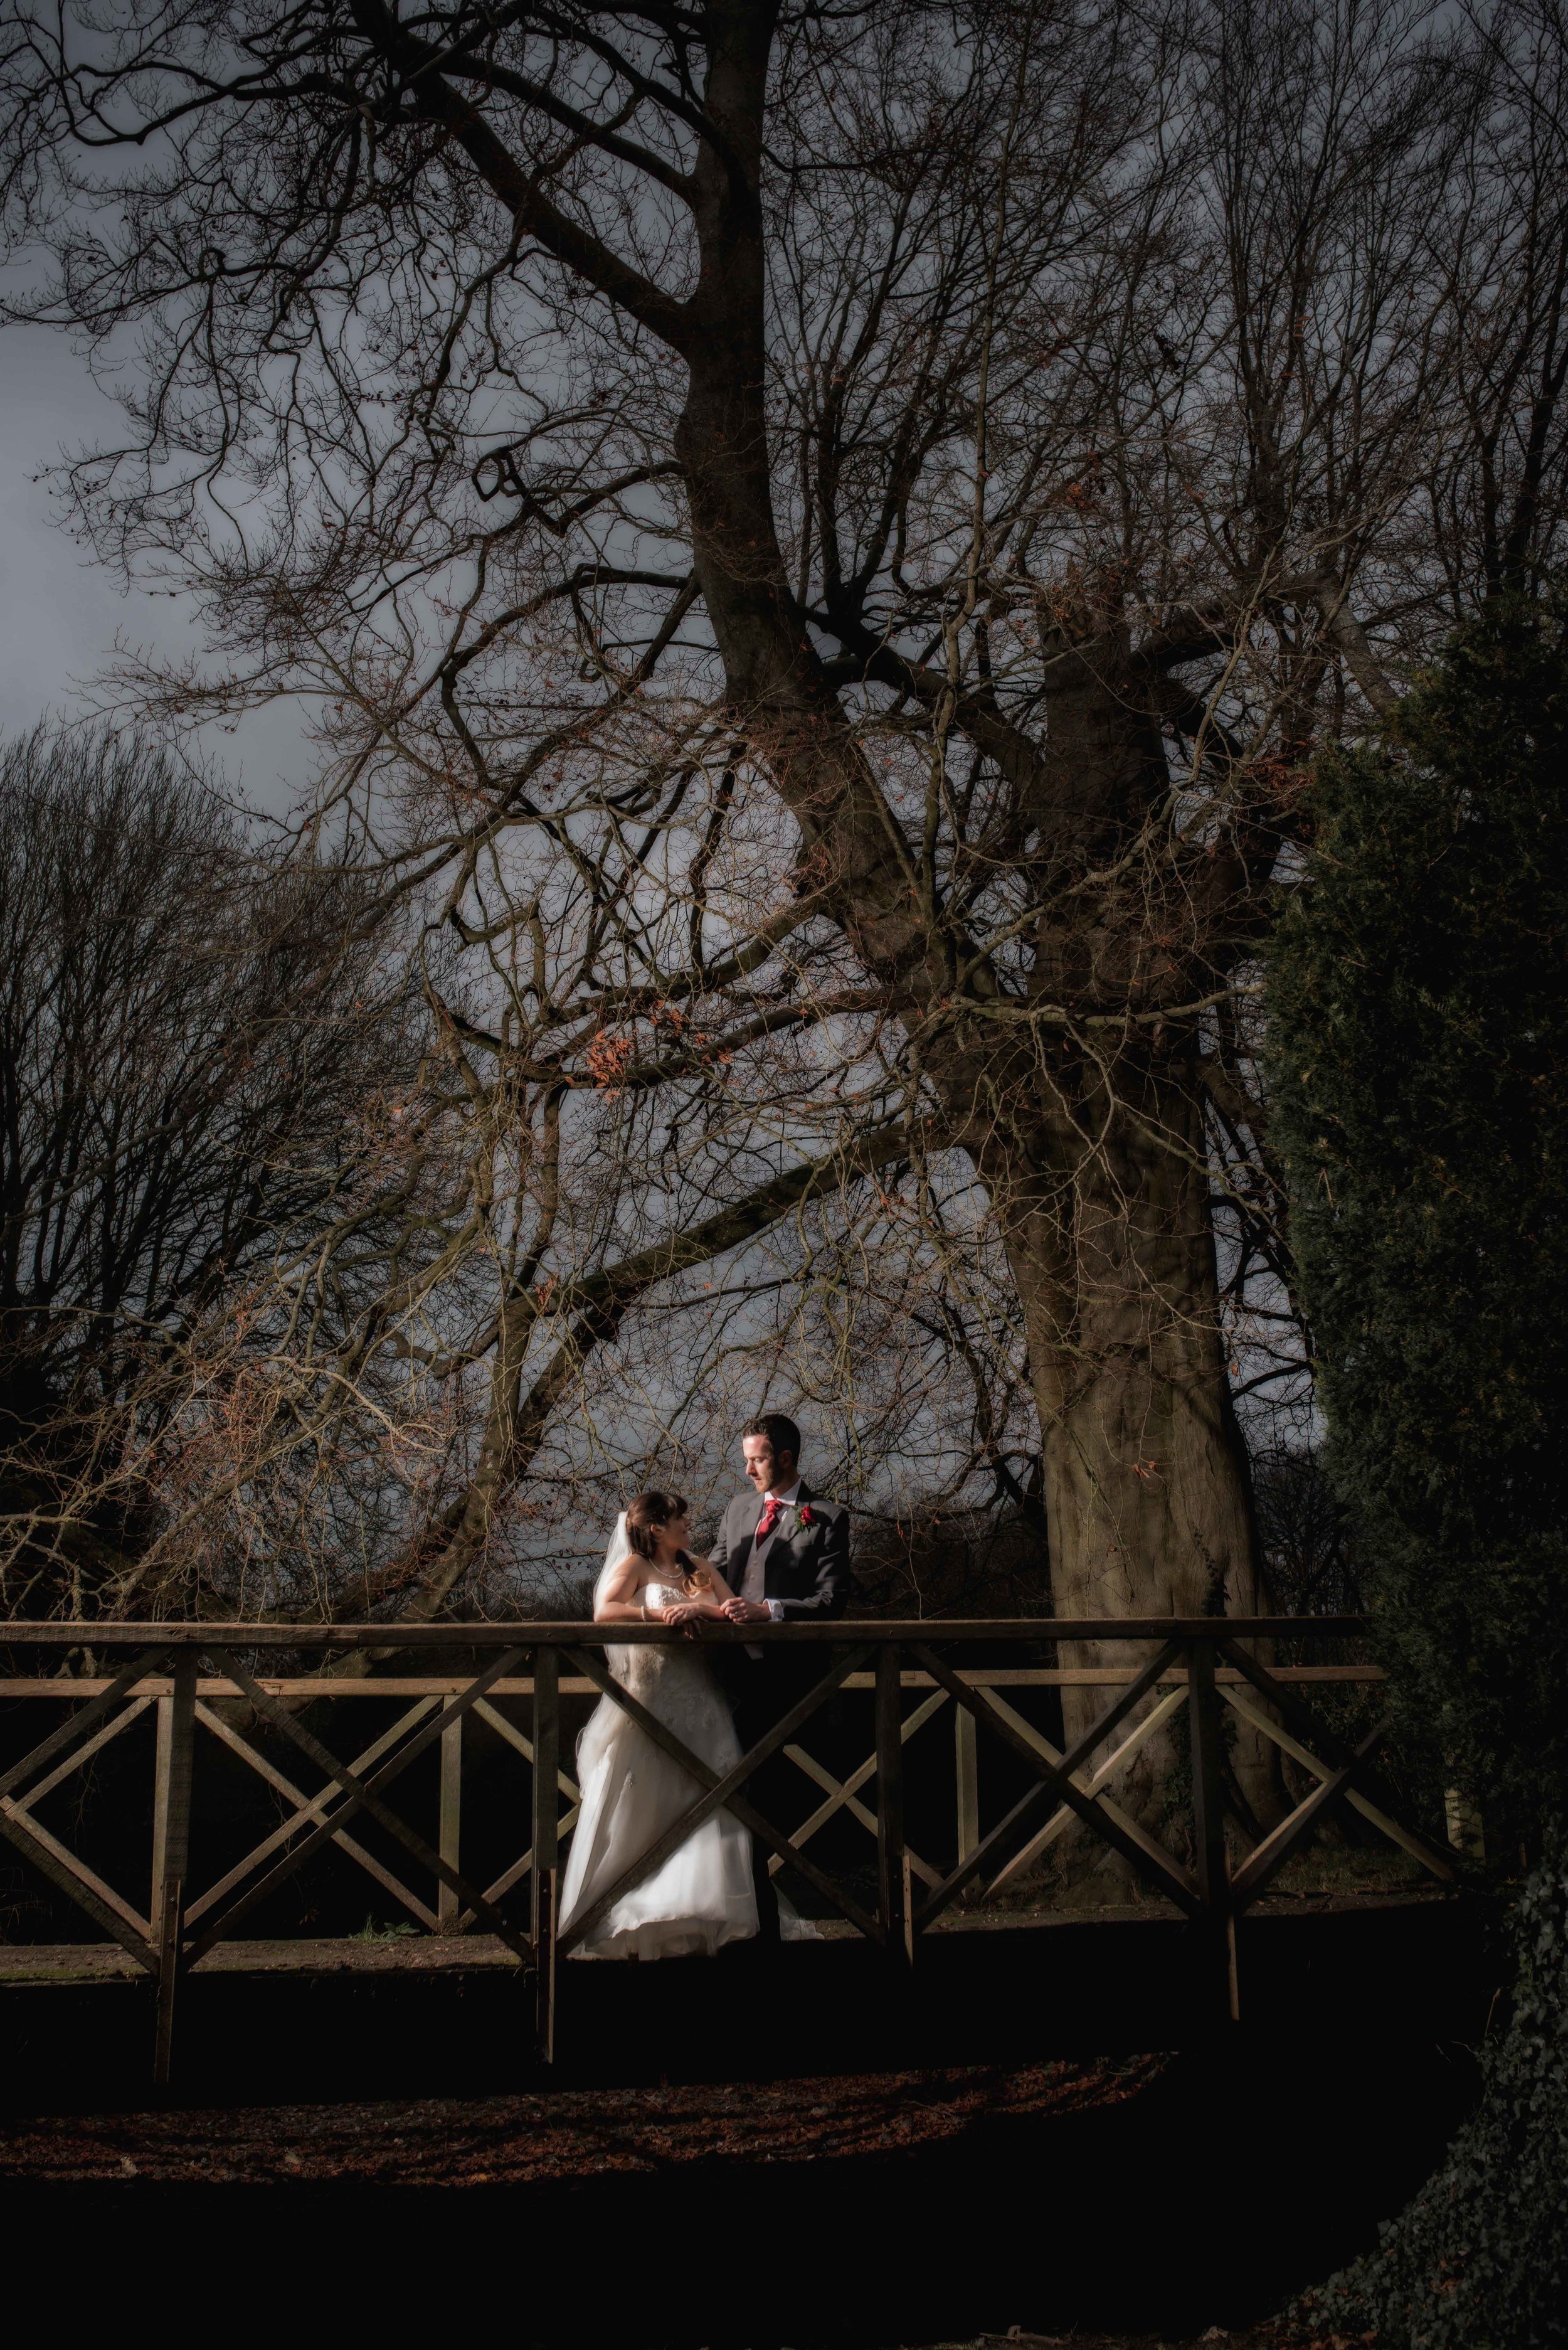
178,1061
273,1274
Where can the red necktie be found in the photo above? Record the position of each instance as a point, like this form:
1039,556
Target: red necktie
772,1513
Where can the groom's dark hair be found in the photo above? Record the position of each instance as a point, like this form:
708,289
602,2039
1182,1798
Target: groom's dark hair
782,1433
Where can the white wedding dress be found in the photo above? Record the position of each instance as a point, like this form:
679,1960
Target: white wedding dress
703,1897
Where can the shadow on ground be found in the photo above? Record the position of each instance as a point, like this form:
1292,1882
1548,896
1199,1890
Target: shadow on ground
985,2151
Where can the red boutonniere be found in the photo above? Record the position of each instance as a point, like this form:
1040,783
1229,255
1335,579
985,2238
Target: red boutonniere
805,1517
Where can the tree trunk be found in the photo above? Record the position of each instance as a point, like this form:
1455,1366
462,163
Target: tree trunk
1110,1241
1103,1199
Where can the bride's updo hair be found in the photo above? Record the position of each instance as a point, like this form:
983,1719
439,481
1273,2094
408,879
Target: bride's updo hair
647,1514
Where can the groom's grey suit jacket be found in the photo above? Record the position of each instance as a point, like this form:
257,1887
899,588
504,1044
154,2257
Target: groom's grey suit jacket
805,1567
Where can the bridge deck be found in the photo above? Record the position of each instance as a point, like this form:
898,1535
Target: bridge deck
40,1964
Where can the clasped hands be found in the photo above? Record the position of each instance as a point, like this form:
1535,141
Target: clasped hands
689,1613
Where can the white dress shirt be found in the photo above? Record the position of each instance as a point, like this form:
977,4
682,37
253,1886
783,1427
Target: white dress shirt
753,1579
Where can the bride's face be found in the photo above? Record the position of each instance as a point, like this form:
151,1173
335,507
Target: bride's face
671,1537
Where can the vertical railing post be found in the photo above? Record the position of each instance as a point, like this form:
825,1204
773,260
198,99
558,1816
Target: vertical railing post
449,1827
966,1772
162,1755
892,1859
171,1849
547,1763
1221,1989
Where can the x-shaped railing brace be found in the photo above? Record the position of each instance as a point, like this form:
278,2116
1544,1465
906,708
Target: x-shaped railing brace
309,1810
842,1794
1342,1776
723,1794
1058,1782
27,1835
1345,1772
363,1794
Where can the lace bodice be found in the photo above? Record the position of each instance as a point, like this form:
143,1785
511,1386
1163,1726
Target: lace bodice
663,1595
664,1674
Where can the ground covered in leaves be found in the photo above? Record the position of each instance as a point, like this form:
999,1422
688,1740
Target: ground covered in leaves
567,2134
1016,2340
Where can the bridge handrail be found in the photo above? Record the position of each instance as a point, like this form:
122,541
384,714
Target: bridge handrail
552,1632
1202,1671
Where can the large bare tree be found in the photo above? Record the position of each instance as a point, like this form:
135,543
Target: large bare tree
821,539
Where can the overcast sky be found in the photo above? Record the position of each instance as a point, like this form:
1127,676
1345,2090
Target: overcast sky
60,613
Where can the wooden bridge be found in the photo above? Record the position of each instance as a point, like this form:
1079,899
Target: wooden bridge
514,1679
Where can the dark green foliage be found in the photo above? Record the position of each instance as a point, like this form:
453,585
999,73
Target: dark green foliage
1420,1008
1419,1005
1479,2260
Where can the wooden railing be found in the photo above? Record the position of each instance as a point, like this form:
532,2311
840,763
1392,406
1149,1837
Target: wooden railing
1204,1668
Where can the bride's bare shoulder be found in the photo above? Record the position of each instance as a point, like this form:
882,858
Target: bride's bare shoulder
623,1580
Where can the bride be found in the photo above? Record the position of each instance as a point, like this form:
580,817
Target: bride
703,1897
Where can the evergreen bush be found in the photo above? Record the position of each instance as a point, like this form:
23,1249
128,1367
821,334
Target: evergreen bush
1479,2260
1418,1000
1419,1008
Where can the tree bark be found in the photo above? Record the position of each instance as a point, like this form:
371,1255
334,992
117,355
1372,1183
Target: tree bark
1148,1508
1103,1201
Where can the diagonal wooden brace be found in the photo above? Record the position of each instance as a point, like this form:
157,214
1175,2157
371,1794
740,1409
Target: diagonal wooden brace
1094,1784
1002,1840
1267,1859
308,1810
1058,1780
82,1721
565,1823
86,1890
722,1794
84,1755
64,1867
1406,1838
843,1795
364,1794
1315,1733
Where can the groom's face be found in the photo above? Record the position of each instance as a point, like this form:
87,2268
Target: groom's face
766,1470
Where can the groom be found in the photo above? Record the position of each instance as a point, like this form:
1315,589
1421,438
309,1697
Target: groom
785,1552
